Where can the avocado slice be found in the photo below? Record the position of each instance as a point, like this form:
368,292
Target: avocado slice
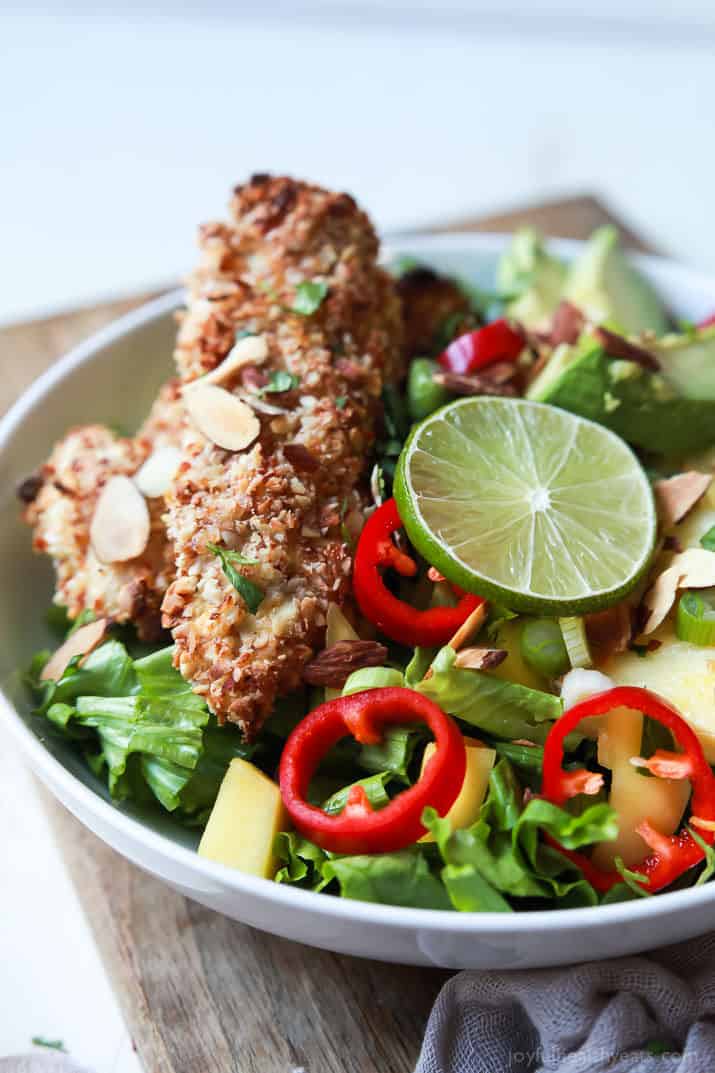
536,278
688,362
607,288
641,406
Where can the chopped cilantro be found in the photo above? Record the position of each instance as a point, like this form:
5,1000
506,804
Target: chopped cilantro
251,593
280,381
707,540
53,1044
340,401
309,296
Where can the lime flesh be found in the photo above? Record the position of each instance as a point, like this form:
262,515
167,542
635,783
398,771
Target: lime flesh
527,504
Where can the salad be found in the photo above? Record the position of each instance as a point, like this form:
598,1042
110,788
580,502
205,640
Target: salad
405,591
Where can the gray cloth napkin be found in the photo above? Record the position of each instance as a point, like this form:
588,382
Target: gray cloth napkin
649,1014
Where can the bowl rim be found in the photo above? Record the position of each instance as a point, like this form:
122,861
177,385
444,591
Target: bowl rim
81,798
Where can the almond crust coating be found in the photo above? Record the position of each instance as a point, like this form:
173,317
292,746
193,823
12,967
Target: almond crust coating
284,501
61,514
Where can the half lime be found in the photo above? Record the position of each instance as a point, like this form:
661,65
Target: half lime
527,504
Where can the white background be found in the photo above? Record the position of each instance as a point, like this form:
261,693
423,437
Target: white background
121,129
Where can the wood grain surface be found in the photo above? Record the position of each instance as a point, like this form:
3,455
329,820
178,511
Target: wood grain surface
201,993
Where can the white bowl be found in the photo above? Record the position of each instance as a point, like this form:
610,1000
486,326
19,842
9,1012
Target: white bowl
112,378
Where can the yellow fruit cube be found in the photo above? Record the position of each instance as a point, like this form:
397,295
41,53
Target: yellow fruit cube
465,810
634,796
247,815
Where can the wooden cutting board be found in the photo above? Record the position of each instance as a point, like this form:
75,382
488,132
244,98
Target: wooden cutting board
201,993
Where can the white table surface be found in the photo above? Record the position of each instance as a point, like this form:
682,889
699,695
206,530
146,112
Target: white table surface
52,983
118,134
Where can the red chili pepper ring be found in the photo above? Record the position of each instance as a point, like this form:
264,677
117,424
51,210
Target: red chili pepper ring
670,855
498,341
394,617
359,828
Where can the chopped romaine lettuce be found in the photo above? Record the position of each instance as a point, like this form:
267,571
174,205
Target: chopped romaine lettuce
374,787
499,708
302,861
403,878
142,728
502,854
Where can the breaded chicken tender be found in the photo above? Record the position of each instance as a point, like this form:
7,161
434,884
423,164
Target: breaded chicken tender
295,268
435,310
63,500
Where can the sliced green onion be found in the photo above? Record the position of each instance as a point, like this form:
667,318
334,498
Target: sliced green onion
707,540
695,621
573,631
542,647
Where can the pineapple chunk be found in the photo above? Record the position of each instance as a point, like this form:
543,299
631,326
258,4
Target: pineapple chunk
680,672
338,629
635,797
514,668
247,815
480,761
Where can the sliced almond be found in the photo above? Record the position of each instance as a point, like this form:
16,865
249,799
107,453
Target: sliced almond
470,626
154,477
222,418
261,406
251,350
677,495
80,643
121,525
480,659
692,569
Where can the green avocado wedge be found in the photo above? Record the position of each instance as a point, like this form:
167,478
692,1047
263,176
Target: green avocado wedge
529,272
606,287
688,362
642,407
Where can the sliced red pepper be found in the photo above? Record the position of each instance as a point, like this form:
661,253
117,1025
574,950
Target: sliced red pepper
498,341
359,828
395,618
670,855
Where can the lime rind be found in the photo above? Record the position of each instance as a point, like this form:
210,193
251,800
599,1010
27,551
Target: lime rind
529,505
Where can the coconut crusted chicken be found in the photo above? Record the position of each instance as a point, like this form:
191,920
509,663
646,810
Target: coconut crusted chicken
290,332
93,468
